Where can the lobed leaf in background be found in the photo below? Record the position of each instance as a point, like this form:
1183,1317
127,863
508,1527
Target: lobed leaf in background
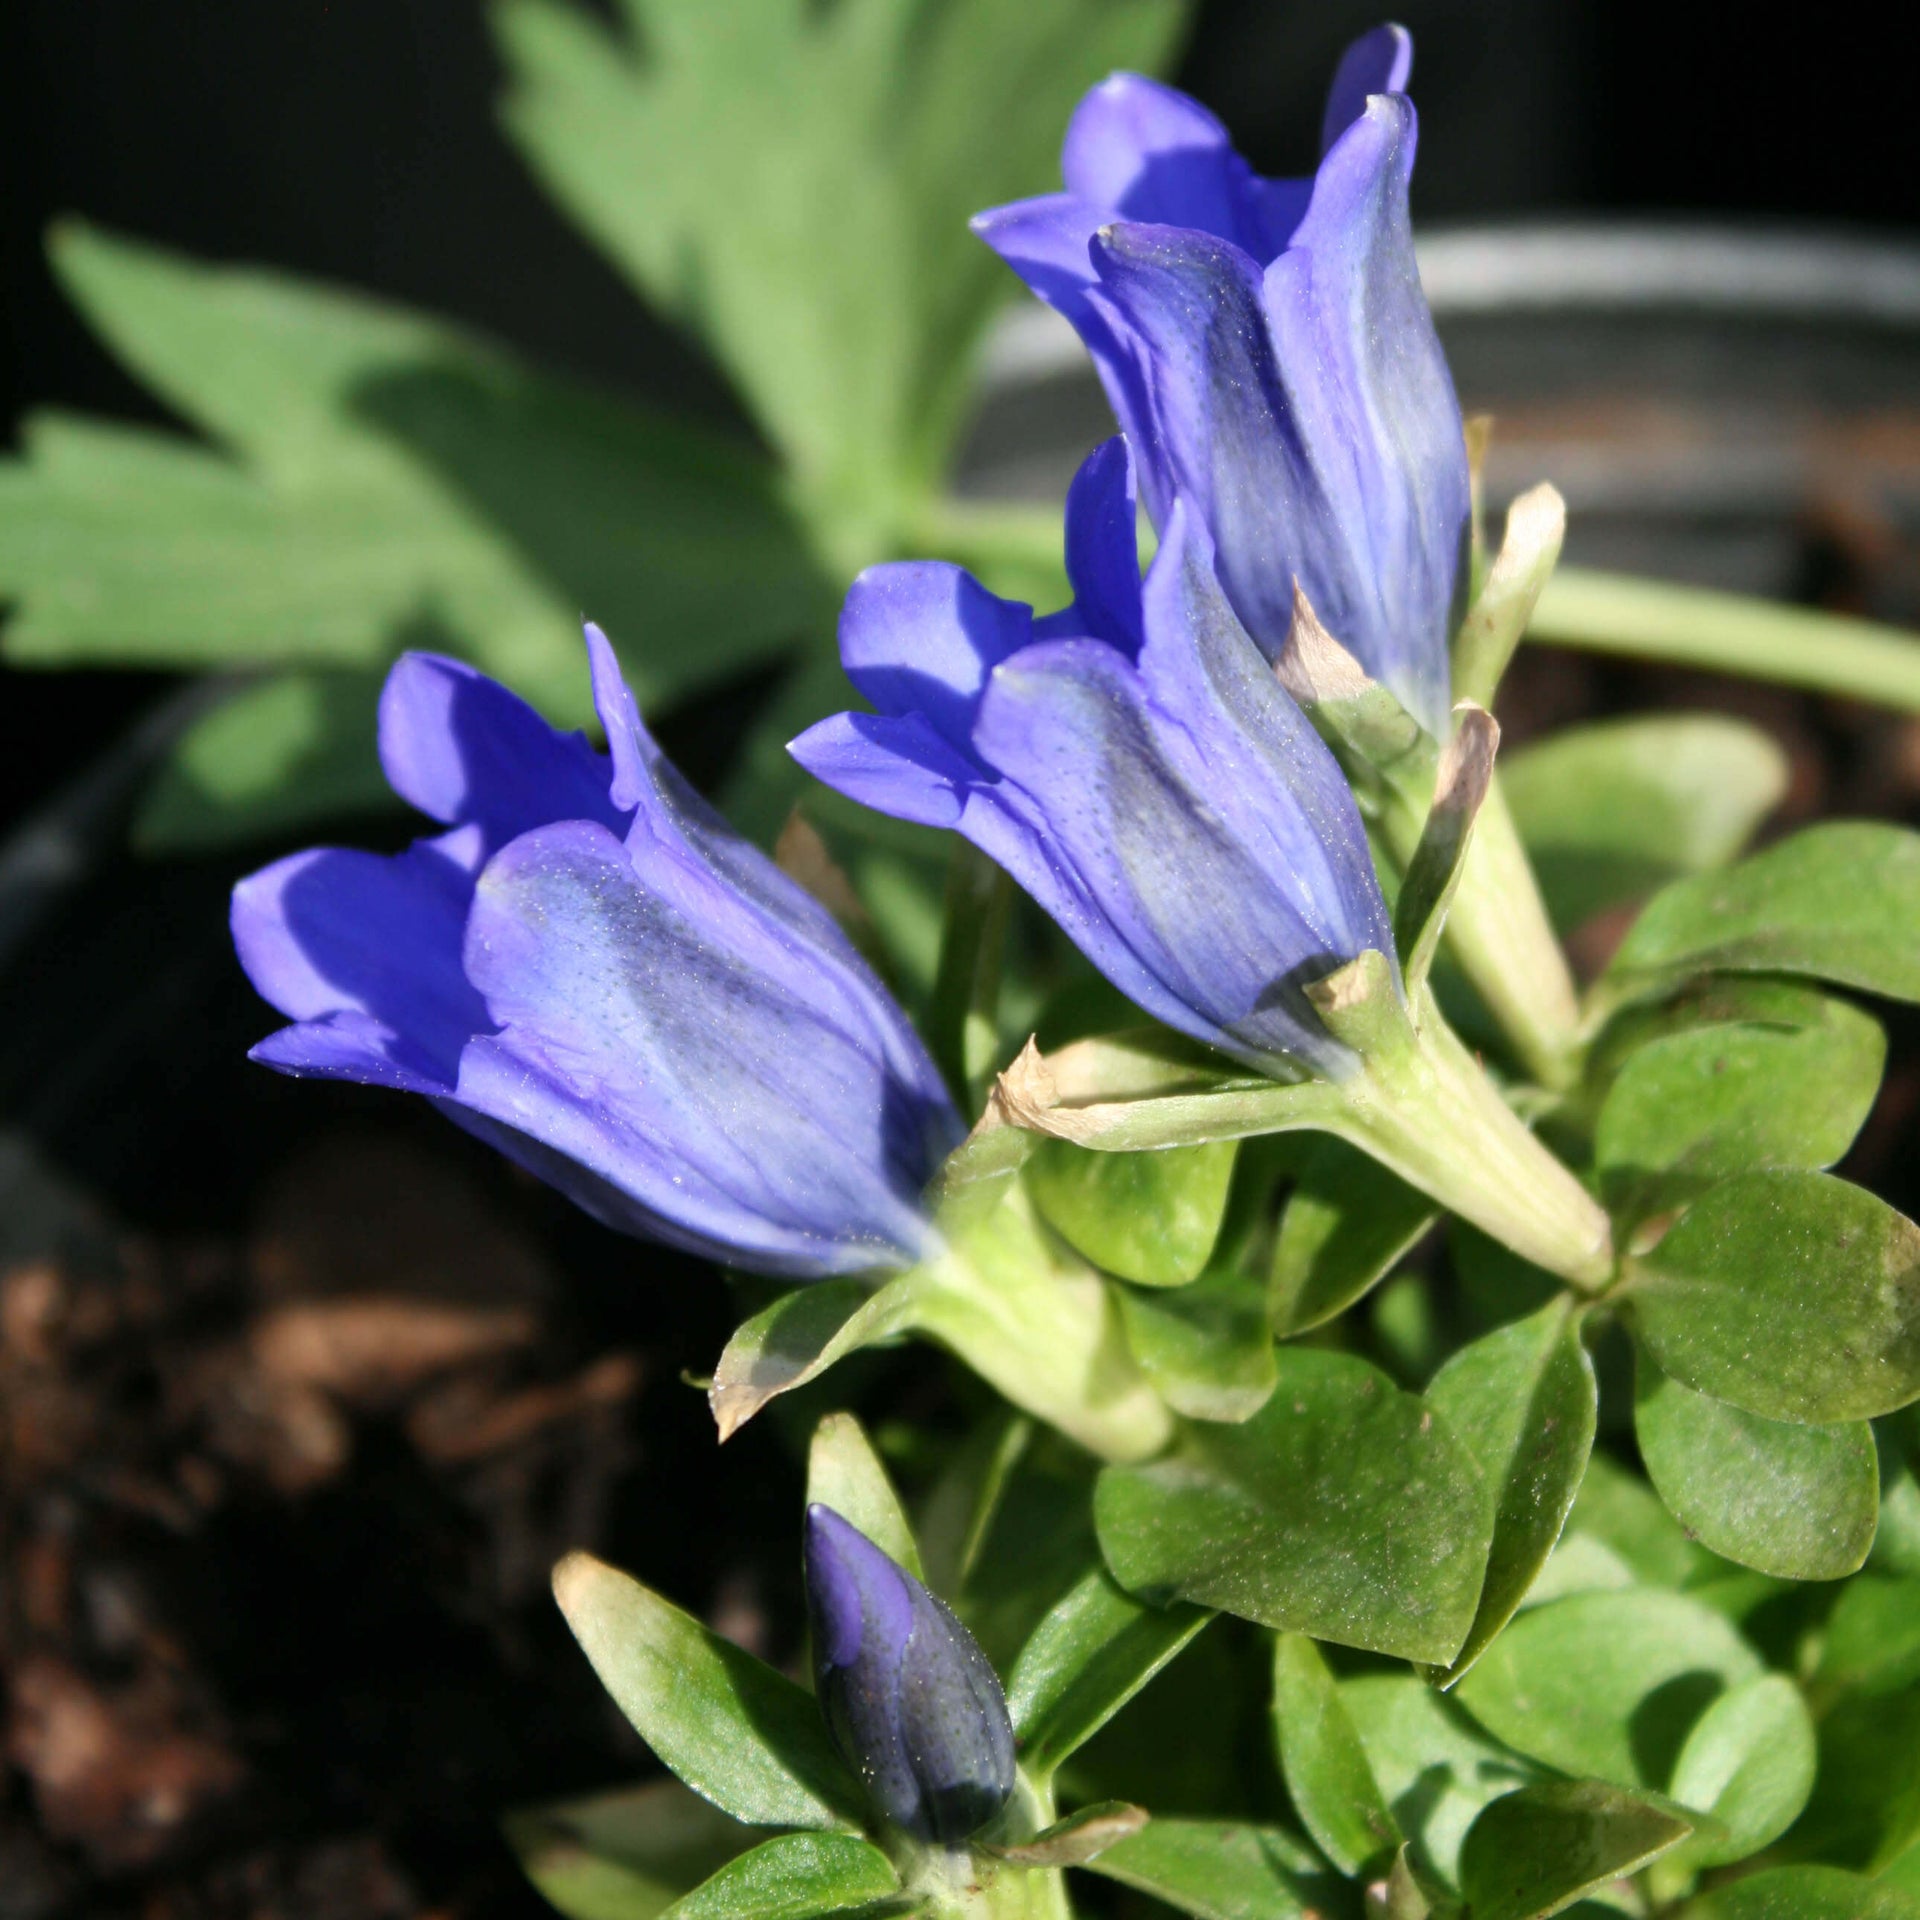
375,480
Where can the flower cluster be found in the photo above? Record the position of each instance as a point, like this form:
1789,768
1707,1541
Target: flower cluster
590,970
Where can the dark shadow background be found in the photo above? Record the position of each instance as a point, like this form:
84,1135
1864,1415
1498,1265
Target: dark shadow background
354,139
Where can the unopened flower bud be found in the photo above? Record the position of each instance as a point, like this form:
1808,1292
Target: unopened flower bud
909,1697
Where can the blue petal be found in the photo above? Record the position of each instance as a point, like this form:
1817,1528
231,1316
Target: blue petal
460,747
649,1035
1103,547
920,636
369,947
895,766
1217,858
1377,62
1308,413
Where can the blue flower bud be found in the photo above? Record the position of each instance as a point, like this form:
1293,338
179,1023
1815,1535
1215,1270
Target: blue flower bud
908,1696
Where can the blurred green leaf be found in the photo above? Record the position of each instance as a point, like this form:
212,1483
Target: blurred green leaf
1524,1403
1223,1870
738,1733
1436,1768
1789,1090
1793,1295
1344,1509
1536,1851
1085,1660
1206,1348
1838,901
378,480
625,1855
844,1473
1749,1762
1607,1686
1873,1636
1612,811
1804,1893
1151,1218
793,183
1328,1776
1795,1501
795,1876
1865,1809
1347,1222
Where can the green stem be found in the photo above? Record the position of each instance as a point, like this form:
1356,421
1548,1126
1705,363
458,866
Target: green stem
963,1017
1696,627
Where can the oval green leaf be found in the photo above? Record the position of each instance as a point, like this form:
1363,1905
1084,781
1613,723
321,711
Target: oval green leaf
1793,1295
1207,1349
1524,1402
1151,1218
1838,901
1344,1509
1084,1662
738,1733
1804,1893
1749,1762
1224,1870
1328,1778
1798,1502
1346,1224
1610,812
1717,1100
1873,1636
1534,1852
794,1877
1607,1686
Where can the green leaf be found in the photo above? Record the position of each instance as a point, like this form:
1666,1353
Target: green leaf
1347,1223
1084,1662
1206,1348
1079,1839
1865,1810
1749,1762
1328,1778
1729,633
844,1473
793,1877
1607,1685
1537,1851
738,1733
1344,1509
1838,901
1798,1502
1524,1402
1435,1767
1151,1218
381,480
1709,1101
825,261
1610,812
268,759
1873,1636
1223,1870
1617,1510
799,1336
1793,1295
1804,1893
1439,857
625,1855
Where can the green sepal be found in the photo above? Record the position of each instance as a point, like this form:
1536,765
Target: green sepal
844,1473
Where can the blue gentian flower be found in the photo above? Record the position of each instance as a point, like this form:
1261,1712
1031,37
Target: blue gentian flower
1270,355
910,1699
592,972
1132,762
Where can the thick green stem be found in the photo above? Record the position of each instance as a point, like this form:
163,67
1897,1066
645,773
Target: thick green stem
1498,930
1423,1105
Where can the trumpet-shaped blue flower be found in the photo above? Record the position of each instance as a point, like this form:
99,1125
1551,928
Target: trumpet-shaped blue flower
1132,762
911,1701
592,972
1270,355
